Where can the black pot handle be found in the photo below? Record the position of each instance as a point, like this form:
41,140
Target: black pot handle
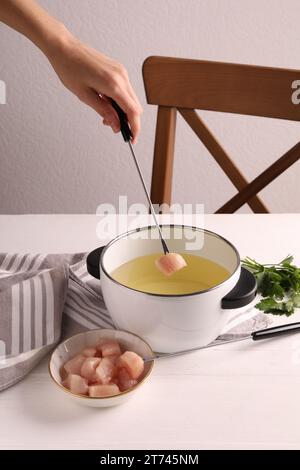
93,261
243,292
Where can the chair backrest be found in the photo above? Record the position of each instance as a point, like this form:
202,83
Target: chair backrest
184,85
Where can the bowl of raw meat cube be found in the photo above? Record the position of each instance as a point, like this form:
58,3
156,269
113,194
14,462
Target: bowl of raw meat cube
101,368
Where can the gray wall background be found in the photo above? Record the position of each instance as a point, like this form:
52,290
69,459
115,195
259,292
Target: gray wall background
55,157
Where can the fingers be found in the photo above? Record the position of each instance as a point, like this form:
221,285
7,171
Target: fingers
134,96
103,107
126,98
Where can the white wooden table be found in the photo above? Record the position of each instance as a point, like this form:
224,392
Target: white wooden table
243,395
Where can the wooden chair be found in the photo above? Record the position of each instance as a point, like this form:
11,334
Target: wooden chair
184,85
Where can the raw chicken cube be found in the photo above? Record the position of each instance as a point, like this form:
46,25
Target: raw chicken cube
125,381
76,384
111,348
103,390
170,263
88,368
132,362
73,366
115,381
114,358
89,352
106,370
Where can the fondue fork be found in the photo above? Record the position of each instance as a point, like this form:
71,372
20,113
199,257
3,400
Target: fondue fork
169,263
255,336
126,133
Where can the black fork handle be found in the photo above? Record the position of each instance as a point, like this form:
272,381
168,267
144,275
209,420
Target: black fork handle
125,129
276,331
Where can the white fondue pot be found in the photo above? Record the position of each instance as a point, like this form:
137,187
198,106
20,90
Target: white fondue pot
172,322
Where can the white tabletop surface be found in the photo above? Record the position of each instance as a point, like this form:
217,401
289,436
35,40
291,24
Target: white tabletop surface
243,395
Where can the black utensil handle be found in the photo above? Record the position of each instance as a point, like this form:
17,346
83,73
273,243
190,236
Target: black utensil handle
276,331
125,129
93,262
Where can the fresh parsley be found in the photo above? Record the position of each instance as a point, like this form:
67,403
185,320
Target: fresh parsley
279,285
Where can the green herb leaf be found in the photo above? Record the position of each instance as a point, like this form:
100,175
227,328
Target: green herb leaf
270,305
296,300
270,285
279,285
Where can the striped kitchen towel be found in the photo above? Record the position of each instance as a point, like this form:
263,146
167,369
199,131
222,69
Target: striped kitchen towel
35,291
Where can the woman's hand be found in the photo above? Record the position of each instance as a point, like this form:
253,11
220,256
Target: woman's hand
90,75
93,77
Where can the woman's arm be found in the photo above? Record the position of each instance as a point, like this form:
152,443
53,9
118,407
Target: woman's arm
90,75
